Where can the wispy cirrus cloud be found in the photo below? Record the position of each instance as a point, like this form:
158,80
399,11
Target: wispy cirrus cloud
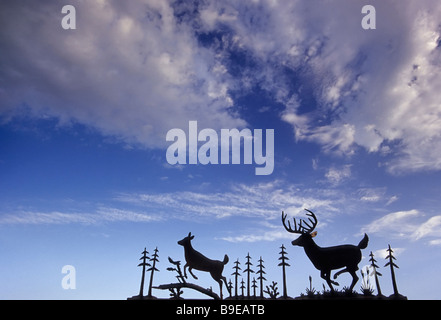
337,175
269,235
101,215
264,200
383,253
409,225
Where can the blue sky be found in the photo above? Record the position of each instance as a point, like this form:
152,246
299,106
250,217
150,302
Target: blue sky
84,114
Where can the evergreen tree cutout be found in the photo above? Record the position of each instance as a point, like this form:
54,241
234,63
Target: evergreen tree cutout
153,269
392,265
376,273
254,286
261,276
283,264
144,264
236,274
248,270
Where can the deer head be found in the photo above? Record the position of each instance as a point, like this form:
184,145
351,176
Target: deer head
187,240
305,229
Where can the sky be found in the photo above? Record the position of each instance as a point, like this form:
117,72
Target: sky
84,114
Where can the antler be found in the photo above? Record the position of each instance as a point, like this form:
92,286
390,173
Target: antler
300,228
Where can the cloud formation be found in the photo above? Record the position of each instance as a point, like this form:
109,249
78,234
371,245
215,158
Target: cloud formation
130,70
375,89
406,224
100,215
135,69
263,202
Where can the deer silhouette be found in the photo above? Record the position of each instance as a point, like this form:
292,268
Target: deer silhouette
329,258
196,260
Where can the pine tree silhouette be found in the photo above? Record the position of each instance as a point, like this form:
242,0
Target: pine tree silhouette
283,264
230,286
144,263
236,274
392,265
261,276
248,271
254,286
376,273
242,287
153,269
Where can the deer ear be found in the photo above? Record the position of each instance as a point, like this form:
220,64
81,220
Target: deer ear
313,234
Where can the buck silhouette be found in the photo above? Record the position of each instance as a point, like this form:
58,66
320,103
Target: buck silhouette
329,258
196,260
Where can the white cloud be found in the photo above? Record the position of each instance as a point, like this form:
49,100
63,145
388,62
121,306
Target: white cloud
383,253
135,69
98,216
393,101
375,195
338,175
405,224
263,201
391,200
435,242
431,227
271,235
130,69
376,88
395,223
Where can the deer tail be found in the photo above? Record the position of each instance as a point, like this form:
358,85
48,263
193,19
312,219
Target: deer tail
364,242
225,260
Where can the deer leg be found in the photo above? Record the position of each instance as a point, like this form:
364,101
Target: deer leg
185,271
340,272
189,270
326,276
226,284
220,288
354,279
218,277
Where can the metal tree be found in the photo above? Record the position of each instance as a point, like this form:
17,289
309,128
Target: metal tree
392,266
283,264
242,287
144,263
236,274
230,286
261,277
254,286
153,269
248,270
376,273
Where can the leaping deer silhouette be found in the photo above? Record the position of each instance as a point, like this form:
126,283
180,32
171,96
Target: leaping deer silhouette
196,260
329,258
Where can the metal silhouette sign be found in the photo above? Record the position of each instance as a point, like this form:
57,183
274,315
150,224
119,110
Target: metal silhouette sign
196,260
329,258
344,258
